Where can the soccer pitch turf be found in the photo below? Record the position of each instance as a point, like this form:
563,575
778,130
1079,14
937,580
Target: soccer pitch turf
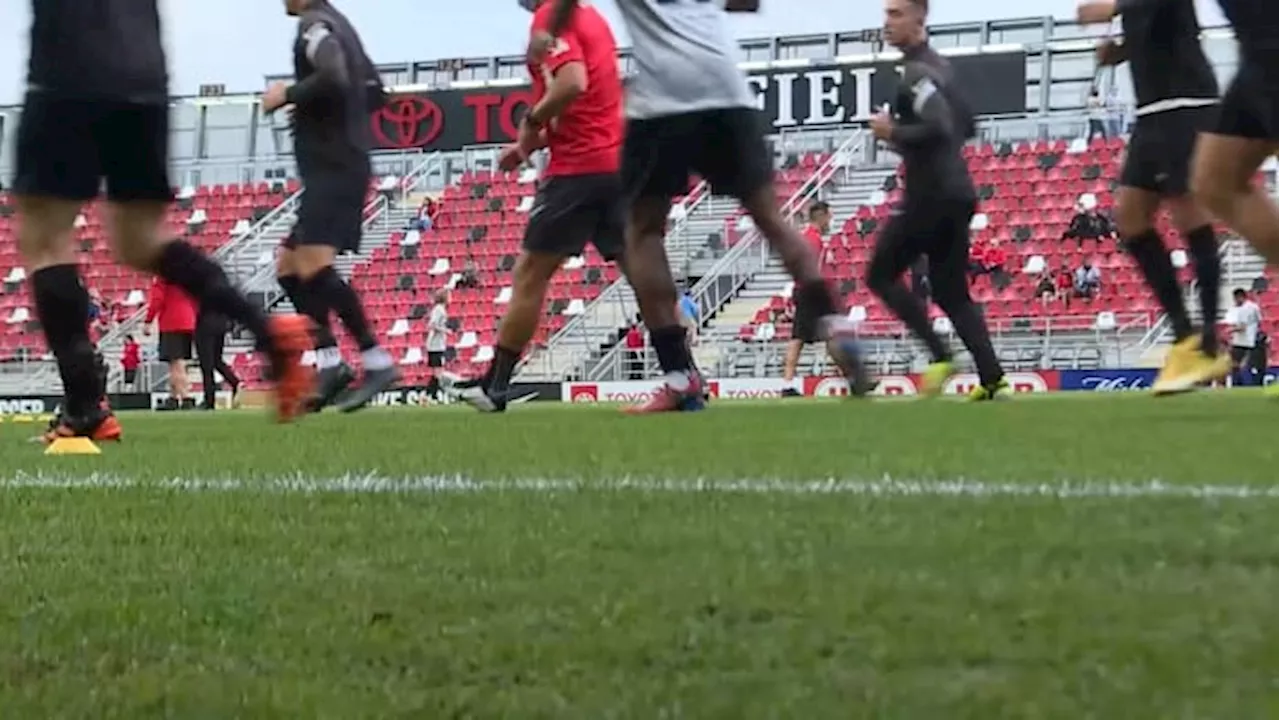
1097,556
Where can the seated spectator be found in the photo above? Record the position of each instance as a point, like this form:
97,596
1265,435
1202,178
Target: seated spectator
470,278
1064,283
1088,223
1088,281
1046,289
977,259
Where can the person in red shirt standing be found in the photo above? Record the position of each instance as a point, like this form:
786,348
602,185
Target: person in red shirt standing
577,114
130,360
804,329
635,351
174,312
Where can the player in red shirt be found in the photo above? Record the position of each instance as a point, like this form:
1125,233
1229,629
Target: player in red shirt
173,310
577,114
804,328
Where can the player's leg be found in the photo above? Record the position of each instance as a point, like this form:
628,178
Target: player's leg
205,356
789,361
133,143
732,155
948,254
57,171
333,376
898,245
1227,158
560,225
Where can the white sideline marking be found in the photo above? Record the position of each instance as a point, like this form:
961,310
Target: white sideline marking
885,487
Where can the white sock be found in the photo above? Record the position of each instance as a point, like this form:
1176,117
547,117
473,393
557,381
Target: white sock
328,357
678,381
375,358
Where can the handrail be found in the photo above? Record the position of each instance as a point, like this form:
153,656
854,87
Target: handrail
709,292
692,201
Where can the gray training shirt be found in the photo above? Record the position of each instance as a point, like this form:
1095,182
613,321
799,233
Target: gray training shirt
933,124
685,59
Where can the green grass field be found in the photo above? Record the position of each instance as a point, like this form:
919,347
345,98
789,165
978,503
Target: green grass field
1095,557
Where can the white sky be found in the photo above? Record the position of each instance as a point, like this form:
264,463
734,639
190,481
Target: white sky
237,42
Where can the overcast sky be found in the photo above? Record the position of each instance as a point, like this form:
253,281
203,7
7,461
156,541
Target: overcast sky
237,42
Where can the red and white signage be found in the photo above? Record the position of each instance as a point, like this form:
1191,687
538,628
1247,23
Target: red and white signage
641,390
757,388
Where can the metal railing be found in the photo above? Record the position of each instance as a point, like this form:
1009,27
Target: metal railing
751,254
576,330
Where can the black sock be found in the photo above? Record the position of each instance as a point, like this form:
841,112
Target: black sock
339,297
290,285
498,378
314,305
1152,256
204,280
672,345
816,299
1202,244
911,311
62,306
971,326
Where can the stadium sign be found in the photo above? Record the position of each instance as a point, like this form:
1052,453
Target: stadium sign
637,391
811,95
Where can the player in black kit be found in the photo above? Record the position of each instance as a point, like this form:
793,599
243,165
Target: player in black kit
1176,94
930,129
1228,156
97,108
337,87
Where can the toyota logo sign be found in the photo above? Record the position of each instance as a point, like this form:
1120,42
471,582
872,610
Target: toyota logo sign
407,122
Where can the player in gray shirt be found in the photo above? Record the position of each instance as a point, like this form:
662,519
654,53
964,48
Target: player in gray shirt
689,111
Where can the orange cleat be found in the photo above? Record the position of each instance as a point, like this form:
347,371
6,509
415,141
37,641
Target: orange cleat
106,429
294,383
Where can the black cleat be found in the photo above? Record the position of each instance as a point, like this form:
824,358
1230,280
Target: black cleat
790,392
330,383
374,382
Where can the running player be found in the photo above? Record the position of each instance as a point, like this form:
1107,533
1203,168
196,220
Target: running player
578,116
932,124
1176,92
337,87
97,108
804,329
689,109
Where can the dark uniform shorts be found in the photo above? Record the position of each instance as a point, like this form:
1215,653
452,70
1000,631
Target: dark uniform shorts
573,210
1159,156
331,211
174,346
67,147
805,325
724,146
130,376
1249,106
435,359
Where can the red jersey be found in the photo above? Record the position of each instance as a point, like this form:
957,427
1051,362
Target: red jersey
173,307
813,236
131,356
995,256
587,136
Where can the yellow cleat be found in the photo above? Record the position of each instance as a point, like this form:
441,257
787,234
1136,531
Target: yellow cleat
935,377
982,393
1272,390
1187,368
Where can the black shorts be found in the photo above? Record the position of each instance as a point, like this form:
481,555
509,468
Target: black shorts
1249,106
66,148
573,210
726,147
1239,354
174,346
435,359
1158,159
130,376
805,325
331,211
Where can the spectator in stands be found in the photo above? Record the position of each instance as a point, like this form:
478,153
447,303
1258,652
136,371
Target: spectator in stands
635,350
470,278
173,310
1064,283
1088,223
994,259
1088,281
1245,320
690,315
1115,111
1097,110
130,360
1046,289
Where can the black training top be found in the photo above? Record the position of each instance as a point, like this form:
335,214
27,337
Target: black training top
337,87
933,123
1166,59
98,49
